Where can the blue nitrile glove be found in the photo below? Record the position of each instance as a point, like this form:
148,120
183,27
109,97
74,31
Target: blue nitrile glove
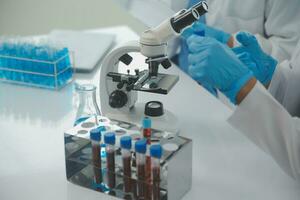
213,63
185,52
251,54
200,28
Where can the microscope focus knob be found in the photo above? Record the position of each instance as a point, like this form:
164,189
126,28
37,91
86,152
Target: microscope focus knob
166,64
120,85
118,99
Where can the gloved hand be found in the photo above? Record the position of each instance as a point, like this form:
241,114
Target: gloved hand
201,29
251,54
198,28
213,63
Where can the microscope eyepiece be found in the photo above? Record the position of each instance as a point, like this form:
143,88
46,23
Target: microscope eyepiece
187,17
201,8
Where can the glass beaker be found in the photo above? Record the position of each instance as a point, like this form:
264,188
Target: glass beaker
87,103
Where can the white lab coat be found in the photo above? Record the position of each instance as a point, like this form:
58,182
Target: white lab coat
275,22
264,121
267,123
285,84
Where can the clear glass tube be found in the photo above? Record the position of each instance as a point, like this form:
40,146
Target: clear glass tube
148,189
87,106
155,168
110,164
96,151
141,175
126,157
147,135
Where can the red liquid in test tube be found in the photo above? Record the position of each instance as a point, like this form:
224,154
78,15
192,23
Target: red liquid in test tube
126,157
147,123
141,148
95,136
156,153
110,140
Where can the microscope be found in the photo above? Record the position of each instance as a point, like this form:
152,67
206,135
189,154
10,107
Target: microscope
119,91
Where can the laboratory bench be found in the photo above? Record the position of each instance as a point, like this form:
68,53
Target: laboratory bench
226,165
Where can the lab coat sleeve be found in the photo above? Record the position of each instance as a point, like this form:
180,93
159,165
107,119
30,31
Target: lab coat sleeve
264,121
282,28
285,83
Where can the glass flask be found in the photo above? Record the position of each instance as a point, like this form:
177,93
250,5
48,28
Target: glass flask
87,106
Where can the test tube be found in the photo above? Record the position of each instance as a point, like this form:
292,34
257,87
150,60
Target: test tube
140,148
110,139
147,129
156,153
147,123
126,157
95,136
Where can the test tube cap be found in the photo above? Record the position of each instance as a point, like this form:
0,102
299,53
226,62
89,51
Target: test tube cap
95,134
110,138
102,128
141,146
156,151
126,142
147,122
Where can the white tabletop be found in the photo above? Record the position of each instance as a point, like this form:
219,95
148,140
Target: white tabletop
225,164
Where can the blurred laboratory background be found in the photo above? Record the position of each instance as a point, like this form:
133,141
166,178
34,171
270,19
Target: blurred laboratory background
31,17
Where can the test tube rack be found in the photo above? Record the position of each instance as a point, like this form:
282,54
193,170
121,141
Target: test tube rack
37,73
176,162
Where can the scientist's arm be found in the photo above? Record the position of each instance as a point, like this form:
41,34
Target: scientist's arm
264,121
258,115
267,123
282,28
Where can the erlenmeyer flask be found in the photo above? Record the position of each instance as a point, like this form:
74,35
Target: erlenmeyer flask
87,102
